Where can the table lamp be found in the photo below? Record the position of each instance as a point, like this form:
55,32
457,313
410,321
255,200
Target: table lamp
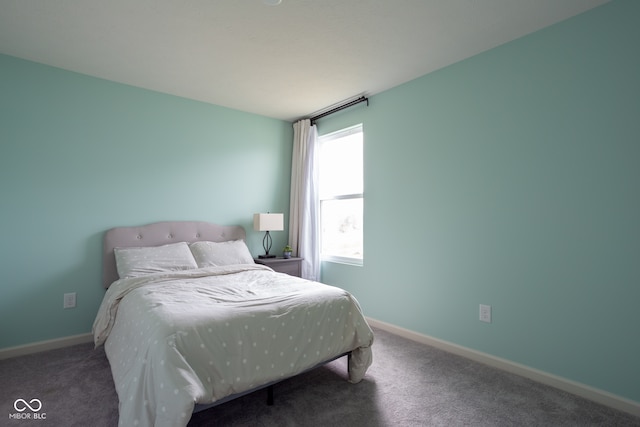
268,222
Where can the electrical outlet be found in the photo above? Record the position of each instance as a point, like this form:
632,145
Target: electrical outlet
69,300
485,313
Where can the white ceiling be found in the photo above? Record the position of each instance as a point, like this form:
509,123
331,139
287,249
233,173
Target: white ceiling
285,61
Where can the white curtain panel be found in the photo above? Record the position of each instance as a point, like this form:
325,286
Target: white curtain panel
303,212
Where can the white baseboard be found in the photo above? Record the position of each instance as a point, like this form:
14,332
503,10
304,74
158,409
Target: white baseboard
579,389
39,346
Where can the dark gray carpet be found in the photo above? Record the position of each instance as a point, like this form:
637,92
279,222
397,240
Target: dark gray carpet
409,384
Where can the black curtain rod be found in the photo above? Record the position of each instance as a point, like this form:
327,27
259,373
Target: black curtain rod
340,107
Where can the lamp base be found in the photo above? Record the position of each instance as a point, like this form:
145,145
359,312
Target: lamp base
266,244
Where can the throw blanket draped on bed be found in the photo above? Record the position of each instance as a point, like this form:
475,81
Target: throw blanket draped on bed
197,336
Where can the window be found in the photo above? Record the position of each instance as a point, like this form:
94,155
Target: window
341,195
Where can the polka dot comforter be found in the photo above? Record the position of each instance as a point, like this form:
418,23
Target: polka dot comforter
196,336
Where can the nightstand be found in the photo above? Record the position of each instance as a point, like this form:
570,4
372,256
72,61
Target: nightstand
291,266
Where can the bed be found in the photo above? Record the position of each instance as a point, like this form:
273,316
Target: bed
189,321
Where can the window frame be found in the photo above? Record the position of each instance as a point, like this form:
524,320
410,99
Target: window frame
341,133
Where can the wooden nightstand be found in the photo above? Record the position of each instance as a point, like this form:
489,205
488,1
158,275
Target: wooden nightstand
291,266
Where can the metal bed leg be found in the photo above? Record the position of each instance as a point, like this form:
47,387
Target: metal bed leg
270,395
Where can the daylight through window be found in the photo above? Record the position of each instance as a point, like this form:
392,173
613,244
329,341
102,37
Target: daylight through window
342,195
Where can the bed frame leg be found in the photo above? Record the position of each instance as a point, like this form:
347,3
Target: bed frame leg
270,395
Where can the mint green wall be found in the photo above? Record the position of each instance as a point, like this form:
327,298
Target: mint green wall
513,179
79,155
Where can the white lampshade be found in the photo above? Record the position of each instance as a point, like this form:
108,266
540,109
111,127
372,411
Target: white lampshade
268,222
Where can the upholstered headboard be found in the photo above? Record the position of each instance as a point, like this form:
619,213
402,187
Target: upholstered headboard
161,233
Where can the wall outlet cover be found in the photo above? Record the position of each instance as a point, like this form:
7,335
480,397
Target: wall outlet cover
485,313
69,300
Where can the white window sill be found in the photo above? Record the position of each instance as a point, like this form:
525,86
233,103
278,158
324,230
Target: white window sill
343,260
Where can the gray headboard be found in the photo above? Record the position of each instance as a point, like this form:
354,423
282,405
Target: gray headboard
161,233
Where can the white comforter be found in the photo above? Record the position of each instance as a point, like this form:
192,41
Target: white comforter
176,339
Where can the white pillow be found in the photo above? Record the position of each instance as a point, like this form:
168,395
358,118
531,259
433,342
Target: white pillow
216,254
135,262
